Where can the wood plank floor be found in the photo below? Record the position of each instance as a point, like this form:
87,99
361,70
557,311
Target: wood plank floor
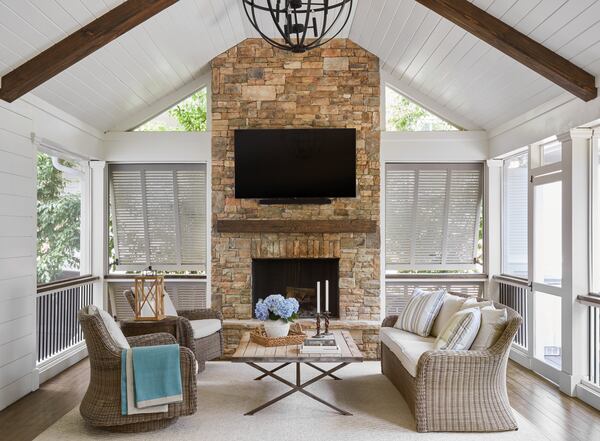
557,416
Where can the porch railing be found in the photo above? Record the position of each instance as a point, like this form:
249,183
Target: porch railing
57,304
593,304
513,293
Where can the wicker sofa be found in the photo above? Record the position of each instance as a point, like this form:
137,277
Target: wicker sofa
101,405
455,391
205,345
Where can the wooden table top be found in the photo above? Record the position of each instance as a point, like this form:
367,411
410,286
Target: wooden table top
248,351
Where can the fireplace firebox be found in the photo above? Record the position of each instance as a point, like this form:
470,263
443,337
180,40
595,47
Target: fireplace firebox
297,278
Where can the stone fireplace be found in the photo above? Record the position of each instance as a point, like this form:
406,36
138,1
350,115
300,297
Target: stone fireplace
298,278
256,86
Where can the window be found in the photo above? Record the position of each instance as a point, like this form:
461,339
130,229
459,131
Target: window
548,234
433,217
187,116
514,216
158,217
60,189
403,115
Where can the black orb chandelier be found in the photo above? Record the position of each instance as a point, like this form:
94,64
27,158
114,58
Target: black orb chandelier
302,24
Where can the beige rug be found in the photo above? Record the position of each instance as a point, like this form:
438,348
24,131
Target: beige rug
226,391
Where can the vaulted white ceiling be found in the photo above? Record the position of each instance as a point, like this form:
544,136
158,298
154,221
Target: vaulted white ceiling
425,55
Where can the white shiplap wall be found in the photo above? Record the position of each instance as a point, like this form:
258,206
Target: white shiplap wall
17,256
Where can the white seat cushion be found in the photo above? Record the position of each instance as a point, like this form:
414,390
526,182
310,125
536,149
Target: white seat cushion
206,327
408,347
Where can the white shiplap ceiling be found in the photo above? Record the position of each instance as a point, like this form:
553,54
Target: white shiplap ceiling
424,54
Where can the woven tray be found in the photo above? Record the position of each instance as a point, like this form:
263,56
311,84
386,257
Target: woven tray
295,337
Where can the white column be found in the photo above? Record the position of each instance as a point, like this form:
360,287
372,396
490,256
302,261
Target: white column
575,150
99,207
492,212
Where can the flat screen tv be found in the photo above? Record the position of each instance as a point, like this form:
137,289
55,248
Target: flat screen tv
295,163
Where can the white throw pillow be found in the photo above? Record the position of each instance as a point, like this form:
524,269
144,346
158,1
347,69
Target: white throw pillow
461,331
420,312
493,323
451,305
473,303
111,327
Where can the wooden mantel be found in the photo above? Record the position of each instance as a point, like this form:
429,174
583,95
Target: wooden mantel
297,226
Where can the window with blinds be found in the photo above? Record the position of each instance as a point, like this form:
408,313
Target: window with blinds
432,216
158,214
514,216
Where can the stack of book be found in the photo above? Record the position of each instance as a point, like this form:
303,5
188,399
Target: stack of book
320,345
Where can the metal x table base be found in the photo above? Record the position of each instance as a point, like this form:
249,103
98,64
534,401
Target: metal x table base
299,386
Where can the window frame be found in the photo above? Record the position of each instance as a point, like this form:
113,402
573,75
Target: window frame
202,270
439,270
503,272
85,229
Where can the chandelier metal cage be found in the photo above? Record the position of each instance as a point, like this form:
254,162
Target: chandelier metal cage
302,24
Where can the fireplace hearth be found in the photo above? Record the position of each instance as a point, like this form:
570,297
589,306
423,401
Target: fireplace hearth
297,278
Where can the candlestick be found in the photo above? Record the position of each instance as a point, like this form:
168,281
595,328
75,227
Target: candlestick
318,297
326,295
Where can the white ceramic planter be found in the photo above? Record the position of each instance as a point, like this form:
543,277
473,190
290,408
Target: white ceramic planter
276,328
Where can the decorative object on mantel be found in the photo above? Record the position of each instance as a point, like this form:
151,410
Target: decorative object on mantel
293,18
277,313
149,291
295,337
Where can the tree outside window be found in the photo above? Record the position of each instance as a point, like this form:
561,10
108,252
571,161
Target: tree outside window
59,219
403,115
187,116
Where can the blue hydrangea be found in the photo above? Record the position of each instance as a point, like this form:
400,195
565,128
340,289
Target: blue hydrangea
278,305
261,310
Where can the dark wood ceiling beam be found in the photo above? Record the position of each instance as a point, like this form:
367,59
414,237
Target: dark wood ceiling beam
517,46
78,45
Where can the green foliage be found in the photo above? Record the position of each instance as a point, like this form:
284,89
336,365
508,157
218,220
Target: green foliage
191,113
405,116
187,116
58,231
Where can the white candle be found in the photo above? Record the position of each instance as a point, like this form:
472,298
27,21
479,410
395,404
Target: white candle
326,295
318,297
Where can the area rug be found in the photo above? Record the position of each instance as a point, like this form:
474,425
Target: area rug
226,391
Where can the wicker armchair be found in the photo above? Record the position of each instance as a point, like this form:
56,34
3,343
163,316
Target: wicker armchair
101,405
205,348
457,391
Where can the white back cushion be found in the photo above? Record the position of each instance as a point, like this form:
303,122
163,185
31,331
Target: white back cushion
111,327
451,305
461,330
420,312
147,311
493,323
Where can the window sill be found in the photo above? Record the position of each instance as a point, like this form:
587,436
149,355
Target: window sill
121,277
450,276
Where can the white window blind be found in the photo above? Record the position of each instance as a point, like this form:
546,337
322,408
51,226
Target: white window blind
514,216
159,216
432,214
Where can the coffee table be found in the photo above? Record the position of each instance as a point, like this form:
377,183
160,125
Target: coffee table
252,354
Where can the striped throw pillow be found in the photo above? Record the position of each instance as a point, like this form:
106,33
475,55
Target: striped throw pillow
420,312
461,331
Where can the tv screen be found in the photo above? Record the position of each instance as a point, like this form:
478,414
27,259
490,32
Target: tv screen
295,163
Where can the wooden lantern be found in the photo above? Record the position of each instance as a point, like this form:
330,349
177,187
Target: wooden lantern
149,290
